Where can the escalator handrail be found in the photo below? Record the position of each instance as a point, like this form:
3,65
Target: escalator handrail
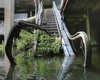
80,34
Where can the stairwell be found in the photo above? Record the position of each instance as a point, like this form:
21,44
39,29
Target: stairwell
49,23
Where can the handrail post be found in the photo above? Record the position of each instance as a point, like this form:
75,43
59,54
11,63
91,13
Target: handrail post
38,12
36,9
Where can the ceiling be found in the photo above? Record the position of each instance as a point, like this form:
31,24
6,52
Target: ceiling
22,6
28,5
73,7
81,6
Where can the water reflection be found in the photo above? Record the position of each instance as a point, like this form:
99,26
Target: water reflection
35,69
65,67
11,75
47,68
72,70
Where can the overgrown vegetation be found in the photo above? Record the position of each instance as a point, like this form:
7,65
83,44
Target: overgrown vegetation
30,68
25,53
46,45
1,49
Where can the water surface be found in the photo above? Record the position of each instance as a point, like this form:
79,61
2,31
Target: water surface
51,68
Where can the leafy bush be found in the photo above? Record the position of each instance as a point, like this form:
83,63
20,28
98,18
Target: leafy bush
46,45
1,49
25,39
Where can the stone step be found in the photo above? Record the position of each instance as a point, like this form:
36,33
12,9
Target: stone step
52,31
48,19
48,22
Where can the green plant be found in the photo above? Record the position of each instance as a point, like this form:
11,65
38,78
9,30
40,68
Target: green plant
1,48
46,44
25,40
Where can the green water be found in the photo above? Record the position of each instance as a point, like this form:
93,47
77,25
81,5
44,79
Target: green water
52,68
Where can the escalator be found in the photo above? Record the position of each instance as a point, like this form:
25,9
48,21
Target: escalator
52,23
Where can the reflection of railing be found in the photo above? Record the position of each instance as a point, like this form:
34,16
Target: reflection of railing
66,35
65,67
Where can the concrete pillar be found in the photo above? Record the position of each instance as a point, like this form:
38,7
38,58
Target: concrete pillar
88,25
30,14
8,16
8,21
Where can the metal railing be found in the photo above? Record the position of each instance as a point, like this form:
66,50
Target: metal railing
39,13
38,21
65,42
65,35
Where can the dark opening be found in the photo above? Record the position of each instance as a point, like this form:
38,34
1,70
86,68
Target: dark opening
1,14
1,38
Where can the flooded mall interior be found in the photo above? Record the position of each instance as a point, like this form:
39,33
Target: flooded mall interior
49,39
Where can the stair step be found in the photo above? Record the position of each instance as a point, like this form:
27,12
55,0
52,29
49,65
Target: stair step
48,20
55,34
49,27
46,24
53,28
49,23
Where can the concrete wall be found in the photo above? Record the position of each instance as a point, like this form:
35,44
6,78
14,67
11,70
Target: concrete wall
95,28
8,16
8,6
1,28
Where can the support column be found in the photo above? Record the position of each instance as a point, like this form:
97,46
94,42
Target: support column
8,21
36,9
88,25
8,16
30,14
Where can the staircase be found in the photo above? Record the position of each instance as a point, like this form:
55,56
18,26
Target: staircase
49,23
